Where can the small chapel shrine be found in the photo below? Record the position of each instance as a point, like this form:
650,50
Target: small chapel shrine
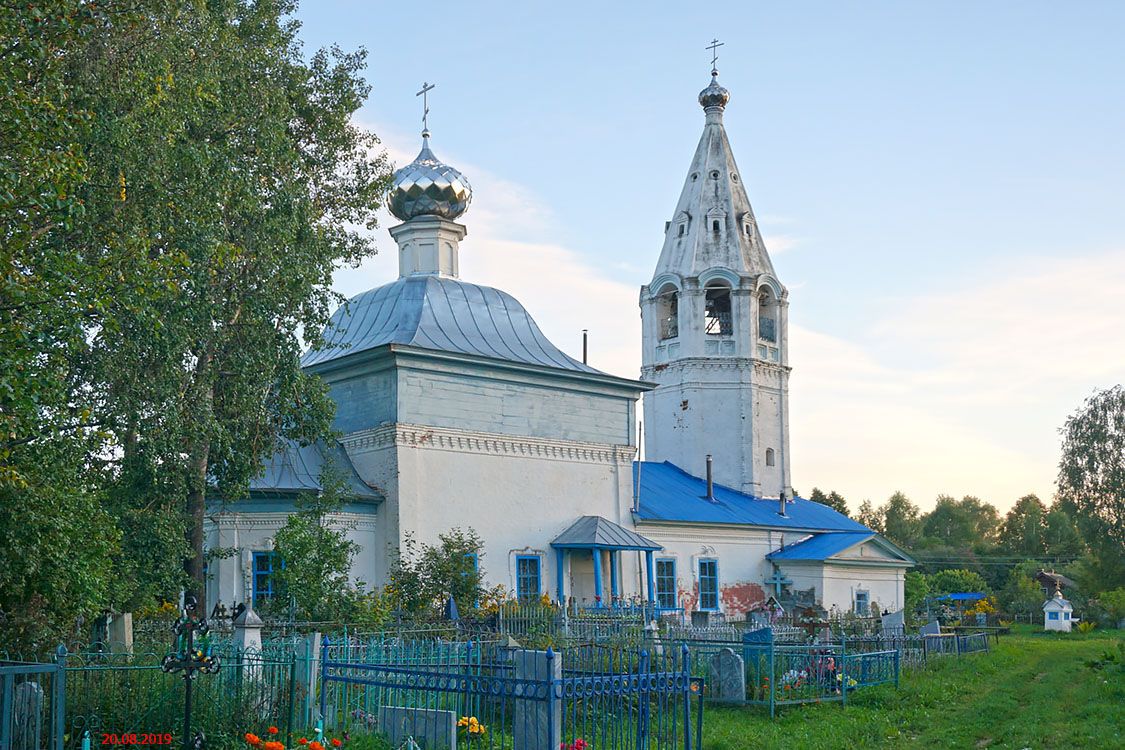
456,411
1058,614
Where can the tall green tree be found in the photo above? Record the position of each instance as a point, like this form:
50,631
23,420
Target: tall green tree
902,520
57,541
1091,481
833,500
957,581
1023,531
870,516
961,523
236,183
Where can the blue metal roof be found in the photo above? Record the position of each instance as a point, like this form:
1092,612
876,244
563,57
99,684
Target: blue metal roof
298,468
595,532
668,493
960,597
448,315
820,547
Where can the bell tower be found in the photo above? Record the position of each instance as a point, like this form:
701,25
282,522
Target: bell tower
714,329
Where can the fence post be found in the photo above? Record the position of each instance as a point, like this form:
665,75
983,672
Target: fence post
642,714
769,678
957,643
322,724
58,701
842,674
898,665
685,662
292,696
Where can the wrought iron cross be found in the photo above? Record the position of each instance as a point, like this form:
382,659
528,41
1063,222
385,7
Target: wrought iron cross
425,94
777,580
714,47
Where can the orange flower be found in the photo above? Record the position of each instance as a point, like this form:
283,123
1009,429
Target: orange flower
252,739
302,741
272,730
273,746
336,742
314,745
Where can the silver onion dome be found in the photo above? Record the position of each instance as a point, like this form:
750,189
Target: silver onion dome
714,95
427,187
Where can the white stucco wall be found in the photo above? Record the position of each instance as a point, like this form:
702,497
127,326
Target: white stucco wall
229,579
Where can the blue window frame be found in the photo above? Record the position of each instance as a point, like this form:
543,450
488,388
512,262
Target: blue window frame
265,563
1052,615
528,579
666,583
709,585
474,560
862,603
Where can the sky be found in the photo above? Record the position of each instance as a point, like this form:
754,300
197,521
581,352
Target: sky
941,187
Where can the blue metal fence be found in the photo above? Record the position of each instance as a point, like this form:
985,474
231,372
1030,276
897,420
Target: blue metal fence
510,699
32,704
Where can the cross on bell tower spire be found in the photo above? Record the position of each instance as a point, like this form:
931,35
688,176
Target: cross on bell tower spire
425,94
714,47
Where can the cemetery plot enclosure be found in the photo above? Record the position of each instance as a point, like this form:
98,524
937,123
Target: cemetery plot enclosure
509,699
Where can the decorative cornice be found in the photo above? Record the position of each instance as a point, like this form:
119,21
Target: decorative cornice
738,364
256,520
404,435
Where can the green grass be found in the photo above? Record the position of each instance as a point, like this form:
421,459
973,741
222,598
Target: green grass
1033,690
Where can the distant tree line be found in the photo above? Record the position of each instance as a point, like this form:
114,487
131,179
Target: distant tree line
1081,534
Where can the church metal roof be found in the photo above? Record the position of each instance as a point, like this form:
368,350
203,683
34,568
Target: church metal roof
444,314
298,468
670,494
820,547
595,532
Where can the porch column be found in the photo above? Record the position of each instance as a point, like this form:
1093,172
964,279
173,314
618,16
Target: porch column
651,577
597,576
560,558
613,586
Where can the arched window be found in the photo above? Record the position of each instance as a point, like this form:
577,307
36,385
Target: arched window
718,320
683,227
715,225
770,460
767,317
668,312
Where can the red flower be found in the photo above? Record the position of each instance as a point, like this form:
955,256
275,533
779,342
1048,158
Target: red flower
252,739
336,742
302,741
272,730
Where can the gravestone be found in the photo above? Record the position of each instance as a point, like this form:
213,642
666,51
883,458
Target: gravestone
120,633
248,640
430,728
894,623
728,675
931,628
700,619
27,716
537,721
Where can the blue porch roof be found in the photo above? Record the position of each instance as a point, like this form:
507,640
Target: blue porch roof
820,547
595,532
668,493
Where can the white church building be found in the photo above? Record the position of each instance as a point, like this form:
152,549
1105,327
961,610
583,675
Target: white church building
456,411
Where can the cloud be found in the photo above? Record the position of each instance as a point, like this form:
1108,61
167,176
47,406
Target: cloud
960,390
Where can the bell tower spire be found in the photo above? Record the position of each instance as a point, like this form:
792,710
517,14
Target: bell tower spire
714,327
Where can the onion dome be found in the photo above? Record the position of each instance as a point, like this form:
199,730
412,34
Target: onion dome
714,95
427,187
